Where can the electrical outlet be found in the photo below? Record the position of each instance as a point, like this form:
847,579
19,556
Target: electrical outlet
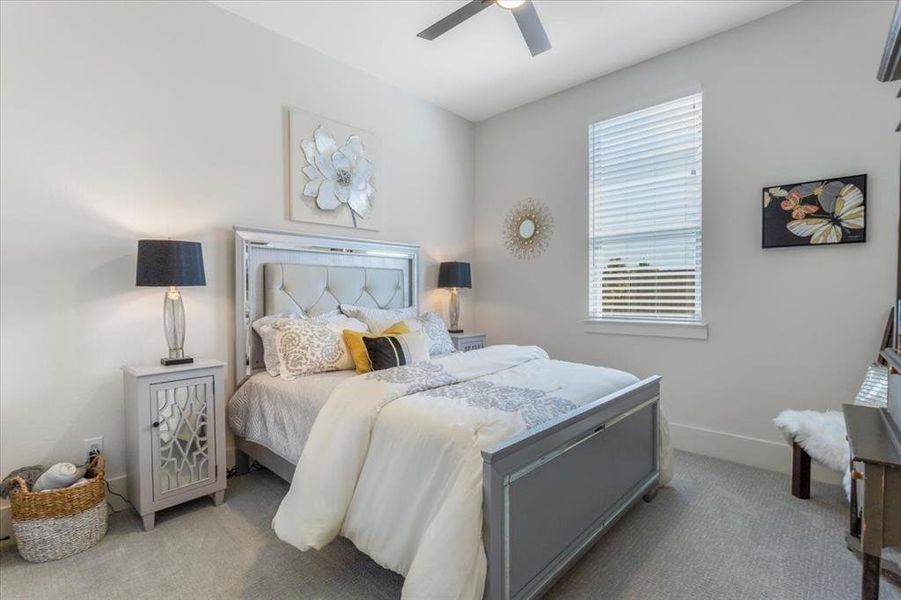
94,444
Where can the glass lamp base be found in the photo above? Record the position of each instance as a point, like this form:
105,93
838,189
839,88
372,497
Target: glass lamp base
454,312
174,326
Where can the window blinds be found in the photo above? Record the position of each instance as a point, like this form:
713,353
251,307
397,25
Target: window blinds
645,214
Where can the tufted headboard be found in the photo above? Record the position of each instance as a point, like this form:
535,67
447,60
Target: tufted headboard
278,272
315,289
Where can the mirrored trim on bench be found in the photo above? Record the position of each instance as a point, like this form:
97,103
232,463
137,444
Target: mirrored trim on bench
592,533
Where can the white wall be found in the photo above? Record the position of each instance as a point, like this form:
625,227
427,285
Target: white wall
131,120
791,97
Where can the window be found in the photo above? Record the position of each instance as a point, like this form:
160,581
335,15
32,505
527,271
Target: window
645,214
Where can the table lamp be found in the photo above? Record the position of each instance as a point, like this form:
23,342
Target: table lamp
454,275
169,264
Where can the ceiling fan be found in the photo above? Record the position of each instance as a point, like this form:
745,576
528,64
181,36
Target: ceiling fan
523,11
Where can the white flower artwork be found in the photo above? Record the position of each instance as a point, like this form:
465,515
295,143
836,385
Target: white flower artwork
333,178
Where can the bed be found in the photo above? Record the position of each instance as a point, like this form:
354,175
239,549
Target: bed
541,508
278,414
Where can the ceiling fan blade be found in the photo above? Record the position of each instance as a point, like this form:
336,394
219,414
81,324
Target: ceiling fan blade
455,18
531,28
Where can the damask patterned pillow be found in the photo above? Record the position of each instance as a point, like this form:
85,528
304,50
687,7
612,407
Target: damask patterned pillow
378,319
264,328
311,346
432,325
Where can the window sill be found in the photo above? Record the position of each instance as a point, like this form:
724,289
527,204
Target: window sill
668,329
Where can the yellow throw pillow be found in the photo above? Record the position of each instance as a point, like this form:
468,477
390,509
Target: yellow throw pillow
354,341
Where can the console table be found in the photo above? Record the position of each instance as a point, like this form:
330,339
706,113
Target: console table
874,442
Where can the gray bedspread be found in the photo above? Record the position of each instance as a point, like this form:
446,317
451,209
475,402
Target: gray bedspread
279,414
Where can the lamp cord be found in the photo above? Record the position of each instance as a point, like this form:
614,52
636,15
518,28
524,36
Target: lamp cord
120,496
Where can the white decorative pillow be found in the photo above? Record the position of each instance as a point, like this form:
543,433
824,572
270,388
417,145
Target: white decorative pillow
264,328
311,346
378,319
330,316
435,330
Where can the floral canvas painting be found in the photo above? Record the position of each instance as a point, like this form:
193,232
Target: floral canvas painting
333,172
826,211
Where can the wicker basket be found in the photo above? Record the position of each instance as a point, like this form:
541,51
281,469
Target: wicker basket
58,523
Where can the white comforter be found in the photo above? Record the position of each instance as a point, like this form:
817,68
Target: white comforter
393,460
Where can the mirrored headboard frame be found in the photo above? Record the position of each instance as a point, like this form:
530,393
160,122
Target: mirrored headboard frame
254,247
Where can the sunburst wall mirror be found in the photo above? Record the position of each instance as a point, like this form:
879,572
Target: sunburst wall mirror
528,228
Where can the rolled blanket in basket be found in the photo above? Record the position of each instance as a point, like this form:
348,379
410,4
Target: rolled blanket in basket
58,476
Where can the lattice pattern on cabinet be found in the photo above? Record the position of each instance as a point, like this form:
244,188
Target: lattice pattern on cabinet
184,450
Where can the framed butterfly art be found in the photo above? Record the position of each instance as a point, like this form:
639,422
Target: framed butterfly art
822,212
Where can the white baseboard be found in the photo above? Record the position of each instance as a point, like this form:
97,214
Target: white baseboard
116,484
763,454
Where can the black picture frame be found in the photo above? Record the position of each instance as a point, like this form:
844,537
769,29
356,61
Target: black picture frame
782,204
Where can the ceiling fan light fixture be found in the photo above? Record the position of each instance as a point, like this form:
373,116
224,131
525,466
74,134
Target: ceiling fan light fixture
522,10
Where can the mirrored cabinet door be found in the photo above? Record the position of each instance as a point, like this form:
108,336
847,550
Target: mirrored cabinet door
182,432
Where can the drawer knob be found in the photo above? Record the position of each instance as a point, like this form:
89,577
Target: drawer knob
855,474
155,424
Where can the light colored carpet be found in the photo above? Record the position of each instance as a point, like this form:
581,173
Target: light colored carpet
721,531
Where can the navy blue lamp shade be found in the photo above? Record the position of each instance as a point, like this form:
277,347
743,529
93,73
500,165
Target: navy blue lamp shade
165,263
454,275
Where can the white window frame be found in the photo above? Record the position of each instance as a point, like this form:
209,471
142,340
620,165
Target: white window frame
691,328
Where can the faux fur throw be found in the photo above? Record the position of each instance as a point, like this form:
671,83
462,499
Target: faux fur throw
821,435
29,474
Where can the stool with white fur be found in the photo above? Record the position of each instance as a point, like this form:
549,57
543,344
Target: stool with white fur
822,436
816,435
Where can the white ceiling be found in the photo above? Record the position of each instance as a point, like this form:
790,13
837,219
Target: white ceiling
482,67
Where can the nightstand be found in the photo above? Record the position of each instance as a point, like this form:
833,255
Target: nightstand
464,342
175,435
